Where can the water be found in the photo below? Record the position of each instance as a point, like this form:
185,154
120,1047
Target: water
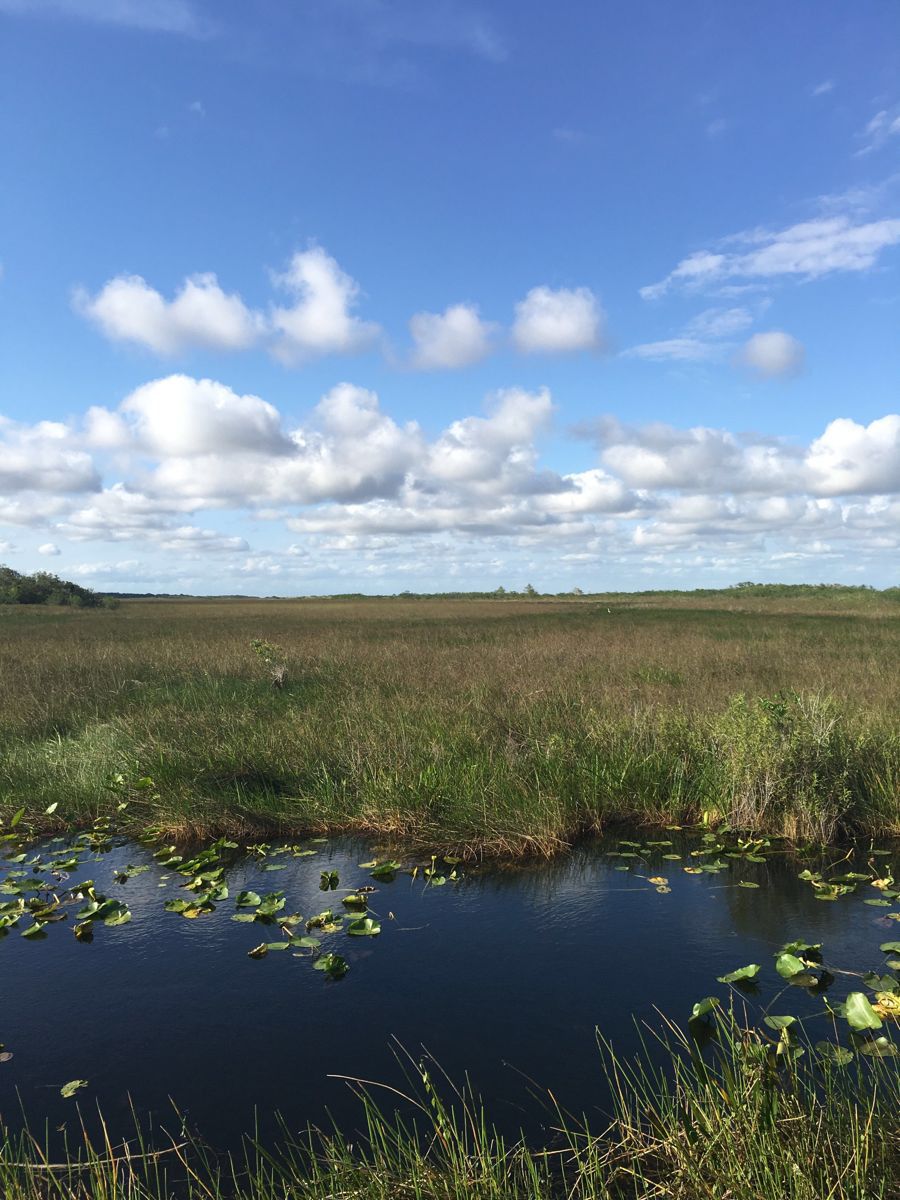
504,976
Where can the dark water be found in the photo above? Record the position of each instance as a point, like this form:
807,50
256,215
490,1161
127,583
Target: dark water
503,976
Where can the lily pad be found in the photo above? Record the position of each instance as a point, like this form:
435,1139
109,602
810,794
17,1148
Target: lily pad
742,973
364,927
74,1085
859,1013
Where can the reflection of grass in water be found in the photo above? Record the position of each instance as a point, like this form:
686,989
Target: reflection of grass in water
733,1126
506,724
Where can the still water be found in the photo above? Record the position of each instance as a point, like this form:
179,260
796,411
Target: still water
503,976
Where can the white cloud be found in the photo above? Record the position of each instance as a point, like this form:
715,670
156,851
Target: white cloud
850,458
321,321
183,416
773,354
558,321
678,349
847,459
823,88
455,338
808,250
701,339
163,16
882,127
660,456
50,549
201,315
719,322
41,458
369,498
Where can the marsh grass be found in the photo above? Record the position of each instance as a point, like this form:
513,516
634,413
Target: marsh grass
698,1127
486,726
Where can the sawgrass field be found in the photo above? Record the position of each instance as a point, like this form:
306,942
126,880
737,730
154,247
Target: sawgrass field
502,725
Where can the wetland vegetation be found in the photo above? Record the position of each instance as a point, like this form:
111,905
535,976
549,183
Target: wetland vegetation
501,725
174,774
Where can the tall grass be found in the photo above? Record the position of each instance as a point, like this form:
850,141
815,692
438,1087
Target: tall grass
741,1125
502,726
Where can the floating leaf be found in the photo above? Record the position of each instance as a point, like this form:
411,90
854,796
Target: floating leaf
259,951
742,973
788,965
333,965
386,870
746,883
859,1013
364,927
890,947
74,1085
877,1048
840,1056
780,1023
703,1007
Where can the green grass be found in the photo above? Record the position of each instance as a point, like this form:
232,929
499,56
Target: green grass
742,1125
502,726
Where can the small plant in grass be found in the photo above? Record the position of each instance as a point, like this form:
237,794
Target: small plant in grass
274,658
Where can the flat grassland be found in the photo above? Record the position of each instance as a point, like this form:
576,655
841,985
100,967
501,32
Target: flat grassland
494,725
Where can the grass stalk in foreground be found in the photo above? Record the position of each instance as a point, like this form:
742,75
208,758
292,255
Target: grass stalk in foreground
748,1124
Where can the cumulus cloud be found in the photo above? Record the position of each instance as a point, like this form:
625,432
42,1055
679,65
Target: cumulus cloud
773,354
201,315
850,458
183,416
457,337
847,459
659,456
50,549
41,458
321,320
558,321
373,497
807,250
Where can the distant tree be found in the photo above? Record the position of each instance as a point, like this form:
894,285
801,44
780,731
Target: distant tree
576,591
529,590
44,588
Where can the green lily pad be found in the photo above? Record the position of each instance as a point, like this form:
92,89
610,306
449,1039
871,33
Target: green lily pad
74,1085
859,1013
742,973
364,927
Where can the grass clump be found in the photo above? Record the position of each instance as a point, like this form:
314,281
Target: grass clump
746,1123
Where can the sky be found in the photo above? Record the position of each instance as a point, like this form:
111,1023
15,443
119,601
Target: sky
322,296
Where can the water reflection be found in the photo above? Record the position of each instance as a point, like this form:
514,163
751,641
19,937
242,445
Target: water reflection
503,976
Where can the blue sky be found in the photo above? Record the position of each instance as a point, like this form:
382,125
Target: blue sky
305,296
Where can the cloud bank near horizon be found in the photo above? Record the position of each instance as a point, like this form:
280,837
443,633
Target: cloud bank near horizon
185,472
